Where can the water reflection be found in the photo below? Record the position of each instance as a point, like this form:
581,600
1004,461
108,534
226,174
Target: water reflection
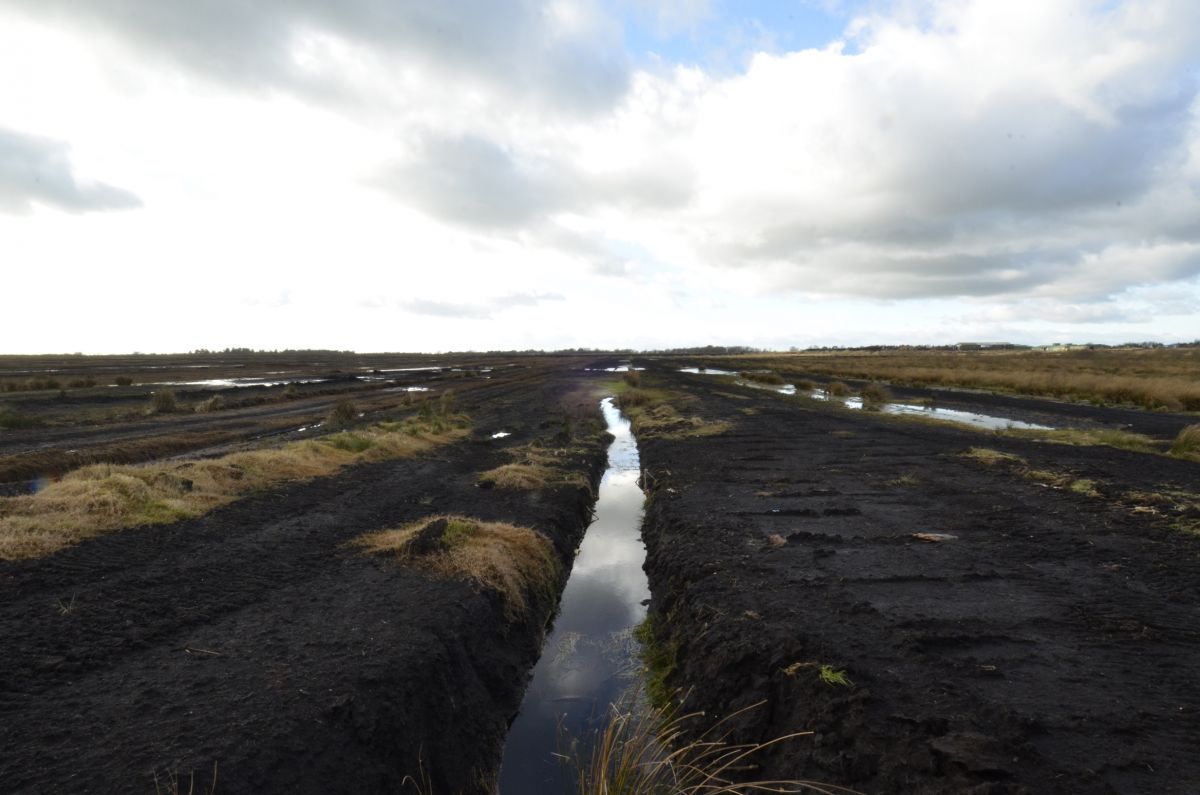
590,658
975,419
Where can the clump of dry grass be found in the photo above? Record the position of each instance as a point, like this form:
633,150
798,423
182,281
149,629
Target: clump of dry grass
214,403
164,402
514,561
654,752
986,455
837,389
1187,443
875,396
105,497
633,378
653,412
535,468
517,477
343,413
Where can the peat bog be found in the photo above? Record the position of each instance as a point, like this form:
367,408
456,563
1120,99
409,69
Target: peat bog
938,608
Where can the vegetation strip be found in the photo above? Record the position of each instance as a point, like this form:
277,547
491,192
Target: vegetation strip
103,497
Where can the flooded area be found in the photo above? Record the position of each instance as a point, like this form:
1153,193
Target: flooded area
985,421
232,383
590,658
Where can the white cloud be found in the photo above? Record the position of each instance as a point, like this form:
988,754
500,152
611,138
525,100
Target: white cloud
449,170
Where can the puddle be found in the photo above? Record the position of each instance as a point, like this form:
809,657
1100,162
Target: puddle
986,421
590,659
228,383
706,371
500,434
407,389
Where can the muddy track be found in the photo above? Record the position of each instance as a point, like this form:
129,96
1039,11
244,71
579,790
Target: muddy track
1048,646
253,638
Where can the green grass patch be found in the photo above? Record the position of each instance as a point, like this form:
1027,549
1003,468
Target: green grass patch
660,658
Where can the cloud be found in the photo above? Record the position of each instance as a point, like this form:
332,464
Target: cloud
560,55
421,306
36,170
477,311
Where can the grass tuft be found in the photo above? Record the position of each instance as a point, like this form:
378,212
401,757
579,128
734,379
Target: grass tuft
343,414
164,402
514,561
1187,443
875,396
837,389
655,752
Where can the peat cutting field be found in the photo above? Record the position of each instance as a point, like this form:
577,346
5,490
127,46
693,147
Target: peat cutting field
298,573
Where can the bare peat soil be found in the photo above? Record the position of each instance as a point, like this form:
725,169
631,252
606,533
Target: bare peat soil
255,640
1048,644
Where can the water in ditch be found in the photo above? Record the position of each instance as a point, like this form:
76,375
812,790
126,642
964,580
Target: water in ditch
590,659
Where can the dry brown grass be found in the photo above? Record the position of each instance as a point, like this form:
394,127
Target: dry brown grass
655,752
105,497
875,396
514,561
837,389
1162,378
656,413
517,477
535,467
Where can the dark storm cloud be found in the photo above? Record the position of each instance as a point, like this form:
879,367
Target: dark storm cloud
36,170
521,48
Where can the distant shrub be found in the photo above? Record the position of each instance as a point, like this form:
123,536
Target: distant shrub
37,384
632,377
80,383
446,404
123,380
164,402
837,389
875,396
804,385
343,413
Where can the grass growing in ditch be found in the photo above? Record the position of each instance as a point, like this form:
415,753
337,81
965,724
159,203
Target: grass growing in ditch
660,659
105,497
514,561
656,752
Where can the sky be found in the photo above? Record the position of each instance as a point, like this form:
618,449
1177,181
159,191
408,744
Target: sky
398,175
